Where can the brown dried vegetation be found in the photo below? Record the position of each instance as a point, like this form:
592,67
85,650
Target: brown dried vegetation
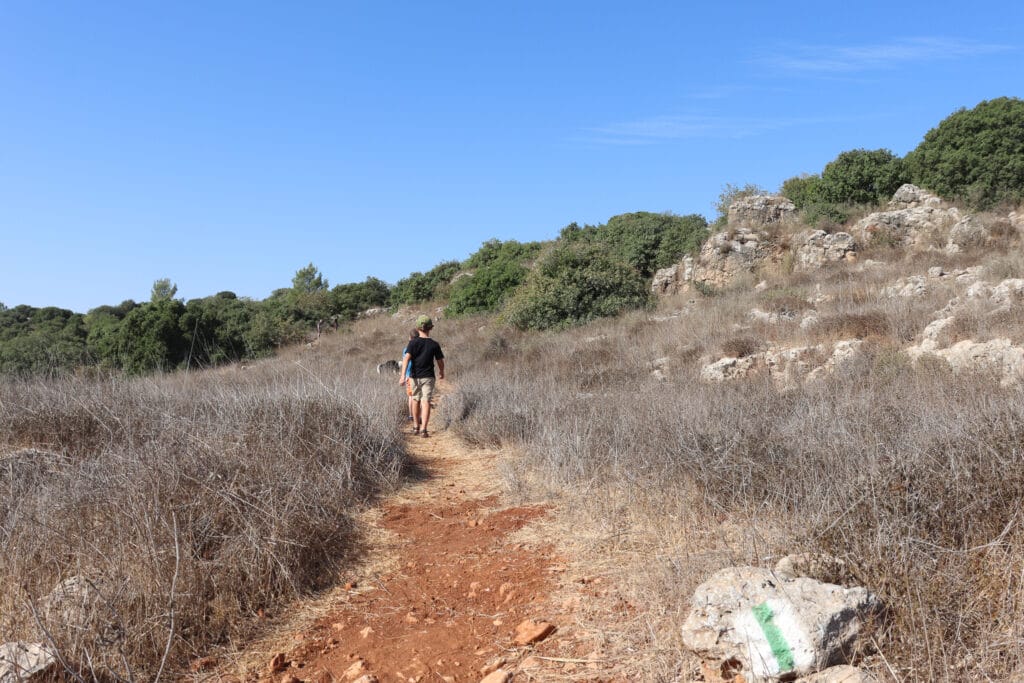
191,504
910,473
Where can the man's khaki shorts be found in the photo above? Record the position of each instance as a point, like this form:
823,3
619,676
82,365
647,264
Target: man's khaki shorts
422,388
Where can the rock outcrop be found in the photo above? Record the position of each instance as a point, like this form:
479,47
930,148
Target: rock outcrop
742,247
787,366
666,281
767,627
999,356
813,249
915,219
760,210
727,254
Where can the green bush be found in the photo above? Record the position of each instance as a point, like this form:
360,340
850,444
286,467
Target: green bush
40,340
215,328
497,269
861,176
419,287
802,190
649,241
975,155
354,298
573,283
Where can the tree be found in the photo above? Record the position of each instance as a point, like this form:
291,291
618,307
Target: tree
490,276
309,299
149,338
163,290
803,190
572,283
649,241
309,280
861,176
102,331
40,340
215,328
353,298
419,287
974,155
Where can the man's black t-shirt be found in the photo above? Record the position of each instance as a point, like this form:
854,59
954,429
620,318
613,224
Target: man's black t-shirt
423,351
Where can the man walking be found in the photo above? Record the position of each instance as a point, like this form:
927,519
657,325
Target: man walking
421,354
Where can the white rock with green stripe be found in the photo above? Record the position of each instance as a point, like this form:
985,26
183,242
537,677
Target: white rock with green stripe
771,627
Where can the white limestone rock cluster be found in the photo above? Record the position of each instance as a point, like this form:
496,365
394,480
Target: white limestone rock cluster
1000,356
730,253
786,366
915,218
813,249
761,210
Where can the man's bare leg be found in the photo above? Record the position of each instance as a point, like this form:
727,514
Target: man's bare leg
425,411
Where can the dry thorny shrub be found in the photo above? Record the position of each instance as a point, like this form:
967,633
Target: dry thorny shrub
177,508
910,474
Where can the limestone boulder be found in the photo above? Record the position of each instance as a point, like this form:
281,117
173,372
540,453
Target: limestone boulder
1007,292
729,253
999,356
20,662
726,369
844,354
935,335
906,287
915,219
818,566
666,281
967,232
813,249
910,196
767,627
761,210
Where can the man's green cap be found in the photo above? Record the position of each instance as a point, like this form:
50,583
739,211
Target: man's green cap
424,322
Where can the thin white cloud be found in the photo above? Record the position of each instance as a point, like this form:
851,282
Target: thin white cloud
829,59
659,129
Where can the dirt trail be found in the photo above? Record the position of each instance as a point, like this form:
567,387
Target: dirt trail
456,571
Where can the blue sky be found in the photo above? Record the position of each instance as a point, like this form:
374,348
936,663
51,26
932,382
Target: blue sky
224,145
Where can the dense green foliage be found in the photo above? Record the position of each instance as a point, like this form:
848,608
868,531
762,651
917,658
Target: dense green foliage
649,241
492,274
975,155
572,283
40,340
855,177
166,333
351,299
802,190
861,176
425,286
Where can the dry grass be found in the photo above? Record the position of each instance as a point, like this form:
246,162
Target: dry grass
232,491
910,474
189,504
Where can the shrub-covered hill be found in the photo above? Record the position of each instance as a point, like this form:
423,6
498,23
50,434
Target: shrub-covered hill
975,157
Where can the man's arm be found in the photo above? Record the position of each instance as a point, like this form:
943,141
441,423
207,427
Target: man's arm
406,359
440,368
